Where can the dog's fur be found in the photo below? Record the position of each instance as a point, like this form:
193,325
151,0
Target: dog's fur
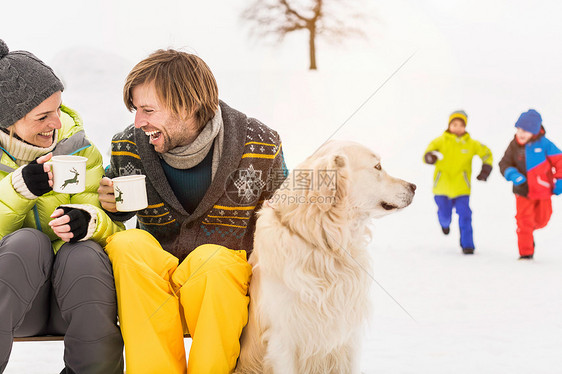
310,283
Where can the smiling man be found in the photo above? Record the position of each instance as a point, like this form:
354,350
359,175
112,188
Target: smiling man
209,168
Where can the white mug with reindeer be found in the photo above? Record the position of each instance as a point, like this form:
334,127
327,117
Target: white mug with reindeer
69,173
130,193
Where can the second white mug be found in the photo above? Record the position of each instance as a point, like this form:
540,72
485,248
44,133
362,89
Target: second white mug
130,193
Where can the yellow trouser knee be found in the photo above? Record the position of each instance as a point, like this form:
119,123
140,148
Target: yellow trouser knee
208,289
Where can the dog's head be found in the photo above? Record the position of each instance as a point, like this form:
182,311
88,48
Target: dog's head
351,175
341,181
371,189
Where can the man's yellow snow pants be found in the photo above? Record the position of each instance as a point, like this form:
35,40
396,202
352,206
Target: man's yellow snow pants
158,300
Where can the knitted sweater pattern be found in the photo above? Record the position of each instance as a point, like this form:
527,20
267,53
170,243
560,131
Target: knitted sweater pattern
250,169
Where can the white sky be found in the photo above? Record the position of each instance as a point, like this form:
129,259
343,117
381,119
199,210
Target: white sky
499,37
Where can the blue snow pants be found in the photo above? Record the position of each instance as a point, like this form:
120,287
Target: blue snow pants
445,211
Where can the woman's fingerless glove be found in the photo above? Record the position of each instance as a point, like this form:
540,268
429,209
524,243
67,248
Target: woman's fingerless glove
36,179
31,180
79,222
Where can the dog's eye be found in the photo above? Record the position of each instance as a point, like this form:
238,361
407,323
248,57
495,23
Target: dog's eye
378,167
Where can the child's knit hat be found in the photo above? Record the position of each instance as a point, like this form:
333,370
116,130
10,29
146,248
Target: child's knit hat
530,121
460,114
25,82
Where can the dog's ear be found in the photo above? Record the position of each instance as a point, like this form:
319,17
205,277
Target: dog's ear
329,183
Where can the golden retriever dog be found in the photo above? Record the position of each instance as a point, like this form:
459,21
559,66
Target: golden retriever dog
309,293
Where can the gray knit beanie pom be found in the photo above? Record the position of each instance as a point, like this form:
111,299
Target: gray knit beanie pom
25,82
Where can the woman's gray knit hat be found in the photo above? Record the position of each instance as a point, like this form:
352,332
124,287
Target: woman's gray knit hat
25,82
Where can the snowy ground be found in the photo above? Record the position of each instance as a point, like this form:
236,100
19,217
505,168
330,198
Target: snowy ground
486,313
436,310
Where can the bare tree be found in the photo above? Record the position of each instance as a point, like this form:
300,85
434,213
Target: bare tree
334,20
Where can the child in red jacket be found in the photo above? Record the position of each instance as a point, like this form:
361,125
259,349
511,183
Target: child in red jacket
534,165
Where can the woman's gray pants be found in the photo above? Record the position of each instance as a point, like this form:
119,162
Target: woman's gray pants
71,293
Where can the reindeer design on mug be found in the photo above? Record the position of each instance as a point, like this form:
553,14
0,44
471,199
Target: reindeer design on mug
73,180
119,198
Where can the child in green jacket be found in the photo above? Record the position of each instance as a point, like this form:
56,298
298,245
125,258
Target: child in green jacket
452,154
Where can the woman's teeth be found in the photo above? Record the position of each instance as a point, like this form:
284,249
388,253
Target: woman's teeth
46,133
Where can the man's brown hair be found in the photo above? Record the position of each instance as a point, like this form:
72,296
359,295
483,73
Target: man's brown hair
183,83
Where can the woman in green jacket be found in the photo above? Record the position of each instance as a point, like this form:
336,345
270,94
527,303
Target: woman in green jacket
54,275
452,154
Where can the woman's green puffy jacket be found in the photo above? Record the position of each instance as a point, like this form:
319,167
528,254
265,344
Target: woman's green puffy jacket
17,212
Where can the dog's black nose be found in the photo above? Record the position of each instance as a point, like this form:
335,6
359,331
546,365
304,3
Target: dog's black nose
412,187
